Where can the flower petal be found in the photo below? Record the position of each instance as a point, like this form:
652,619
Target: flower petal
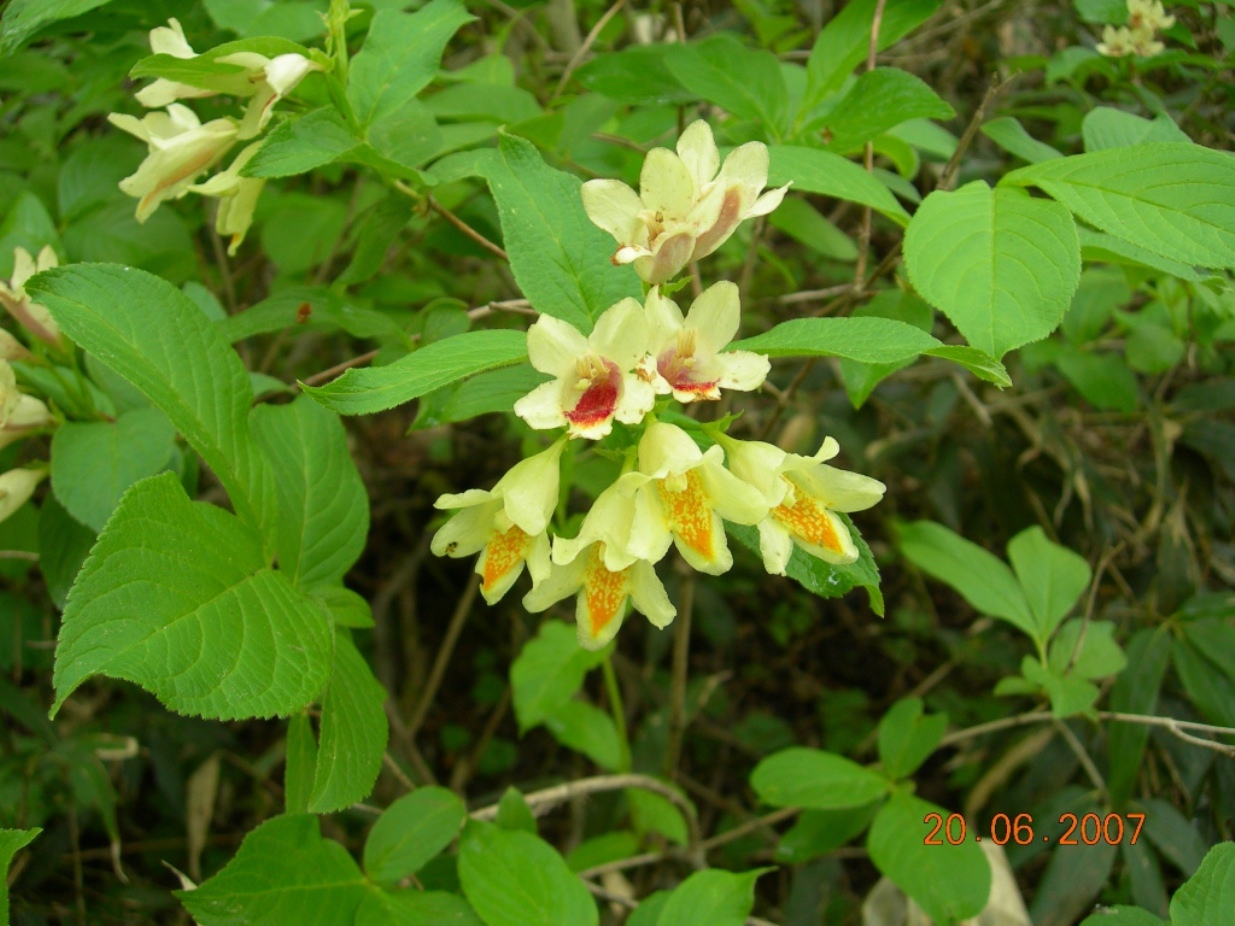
734,500
561,582
529,490
767,202
648,595
839,489
664,320
613,207
665,185
743,370
601,606
542,407
501,562
466,499
697,149
747,166
465,533
649,529
715,315
775,545
670,255
665,449
553,346
621,334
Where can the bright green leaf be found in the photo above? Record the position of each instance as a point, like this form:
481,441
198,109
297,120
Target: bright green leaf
870,340
589,730
815,779
299,145
11,842
548,671
711,898
416,908
411,831
22,19
301,764
1008,133
878,101
828,174
1105,127
1099,656
1001,265
746,82
907,737
1052,576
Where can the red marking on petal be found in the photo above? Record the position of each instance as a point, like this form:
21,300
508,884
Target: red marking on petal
599,400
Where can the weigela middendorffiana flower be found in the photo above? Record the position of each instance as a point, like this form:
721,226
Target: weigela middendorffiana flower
687,494
237,198
688,203
20,414
684,354
803,494
181,149
594,377
506,525
1149,14
16,487
30,315
170,40
1145,19
271,80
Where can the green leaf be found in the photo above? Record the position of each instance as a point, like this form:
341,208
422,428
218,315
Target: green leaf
1100,655
1105,127
1103,247
402,140
1135,692
1075,876
869,339
589,730
1052,576
600,850
354,731
804,223
150,333
907,737
862,378
346,608
982,579
516,879
826,580
819,832
301,765
950,883
1001,265
1070,694
1103,380
177,598
1121,915
11,842
416,908
400,56
323,505
828,174
22,19
285,872
1008,133
559,258
1207,685
94,463
746,82
315,307
878,101
845,41
637,75
297,146
547,673
484,393
514,814
1170,198
711,898
64,543
365,391
29,225
812,778
654,813
1176,837
977,362
411,831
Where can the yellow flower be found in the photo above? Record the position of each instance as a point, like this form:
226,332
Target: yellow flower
1149,14
688,204
32,316
237,198
16,487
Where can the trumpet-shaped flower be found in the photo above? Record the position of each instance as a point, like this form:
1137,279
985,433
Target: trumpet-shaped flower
594,377
803,494
237,198
688,203
684,354
602,594
271,80
10,347
16,487
9,396
181,148
1119,42
170,40
506,525
687,494
30,315
1149,14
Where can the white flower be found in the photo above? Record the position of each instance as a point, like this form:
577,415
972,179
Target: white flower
609,523
1149,14
507,525
687,206
594,377
271,80
687,494
802,494
16,487
237,198
1122,41
169,40
685,356
32,316
9,396
181,148
603,594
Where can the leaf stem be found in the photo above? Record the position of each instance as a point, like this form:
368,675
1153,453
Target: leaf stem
617,708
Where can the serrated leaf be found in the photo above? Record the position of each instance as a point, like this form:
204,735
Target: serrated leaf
711,898
548,671
818,780
828,174
300,145
323,505
285,872
411,831
416,908
827,580
354,731
494,391
1002,267
94,463
1008,133
879,101
11,842
301,764
176,597
637,75
1171,198
744,81
400,56
363,392
64,543
1105,127
982,579
23,19
950,883
868,339
516,879
150,333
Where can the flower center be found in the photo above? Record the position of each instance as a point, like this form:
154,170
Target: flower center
689,511
506,551
677,365
806,517
600,383
604,592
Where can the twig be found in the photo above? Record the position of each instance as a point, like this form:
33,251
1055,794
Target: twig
677,683
583,49
1082,755
338,368
19,554
462,609
466,229
953,166
868,159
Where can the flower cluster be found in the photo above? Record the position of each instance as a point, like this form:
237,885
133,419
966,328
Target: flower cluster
182,148
675,489
1146,18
